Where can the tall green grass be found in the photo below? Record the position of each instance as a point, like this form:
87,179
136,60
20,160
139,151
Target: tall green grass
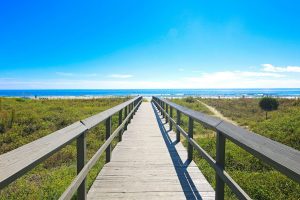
258,179
33,119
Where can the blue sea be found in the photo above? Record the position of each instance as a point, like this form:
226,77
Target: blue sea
285,92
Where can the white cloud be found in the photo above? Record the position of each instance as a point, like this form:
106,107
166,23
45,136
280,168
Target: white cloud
64,74
272,68
181,69
77,75
120,76
221,79
225,79
258,74
241,79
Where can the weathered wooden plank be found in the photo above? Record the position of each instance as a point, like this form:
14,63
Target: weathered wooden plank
147,164
81,159
151,196
220,161
207,120
68,193
219,170
17,162
98,118
285,159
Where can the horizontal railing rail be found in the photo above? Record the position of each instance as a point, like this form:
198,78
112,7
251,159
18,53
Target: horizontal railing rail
17,162
283,158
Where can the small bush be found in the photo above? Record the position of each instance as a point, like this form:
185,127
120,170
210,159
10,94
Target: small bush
20,100
268,104
190,100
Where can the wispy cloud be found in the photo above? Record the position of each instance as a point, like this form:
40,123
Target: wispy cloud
180,69
69,74
120,76
272,68
213,80
267,77
64,74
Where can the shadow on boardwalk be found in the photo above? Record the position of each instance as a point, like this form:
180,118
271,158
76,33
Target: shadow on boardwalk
186,182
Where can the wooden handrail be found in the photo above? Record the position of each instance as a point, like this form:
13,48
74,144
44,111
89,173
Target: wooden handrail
283,158
17,162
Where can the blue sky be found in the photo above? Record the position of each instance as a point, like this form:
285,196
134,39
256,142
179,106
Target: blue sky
149,44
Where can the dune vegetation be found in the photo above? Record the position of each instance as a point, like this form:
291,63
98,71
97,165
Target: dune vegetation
259,180
25,120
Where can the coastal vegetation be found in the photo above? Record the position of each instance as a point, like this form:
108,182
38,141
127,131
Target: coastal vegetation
268,104
259,180
25,120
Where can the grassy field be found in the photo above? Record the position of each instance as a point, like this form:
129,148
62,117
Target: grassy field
259,180
25,120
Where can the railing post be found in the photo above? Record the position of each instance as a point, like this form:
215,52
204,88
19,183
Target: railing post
160,108
171,116
108,133
167,112
135,104
178,116
81,158
164,108
132,107
120,122
159,103
220,161
125,115
129,107
190,134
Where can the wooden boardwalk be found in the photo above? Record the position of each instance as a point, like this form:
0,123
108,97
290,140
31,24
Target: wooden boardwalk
149,164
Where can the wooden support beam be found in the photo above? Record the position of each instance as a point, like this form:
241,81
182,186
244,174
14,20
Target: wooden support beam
120,122
81,159
171,115
108,133
125,115
190,134
178,122
220,161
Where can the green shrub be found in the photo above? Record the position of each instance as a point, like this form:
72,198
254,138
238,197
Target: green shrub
190,100
268,104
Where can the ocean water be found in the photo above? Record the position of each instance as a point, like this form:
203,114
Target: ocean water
282,92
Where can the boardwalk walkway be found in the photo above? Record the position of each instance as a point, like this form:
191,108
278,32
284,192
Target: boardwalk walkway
149,164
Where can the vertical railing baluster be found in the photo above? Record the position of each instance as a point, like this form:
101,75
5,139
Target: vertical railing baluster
167,112
171,116
108,133
178,121
120,122
125,115
135,104
160,109
129,107
132,107
159,103
220,161
190,134
164,108
81,158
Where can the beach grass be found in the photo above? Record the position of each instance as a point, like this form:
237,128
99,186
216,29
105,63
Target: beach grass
34,119
258,179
